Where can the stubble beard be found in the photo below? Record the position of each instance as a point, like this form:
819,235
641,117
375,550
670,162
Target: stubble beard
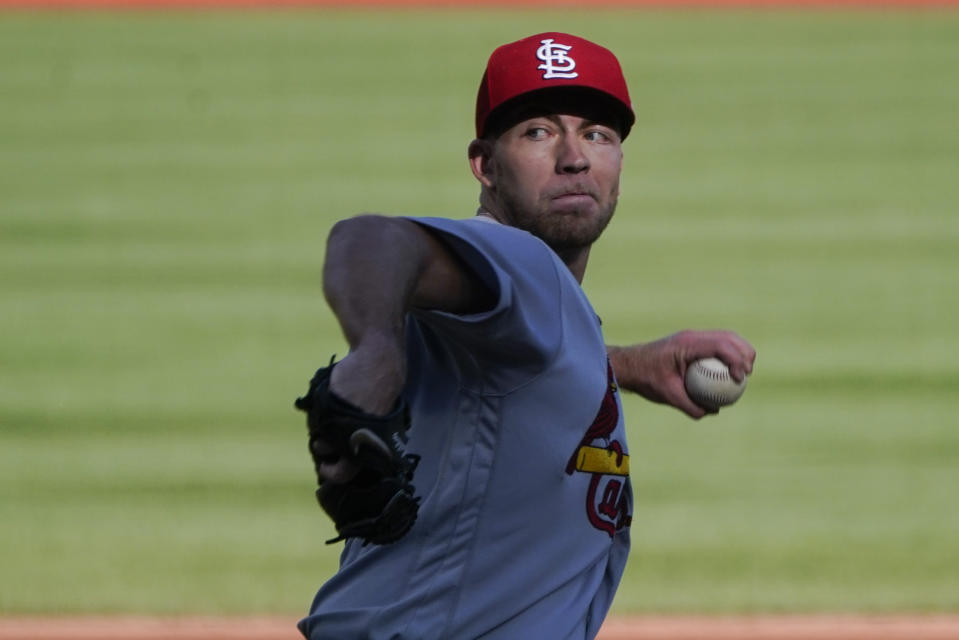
565,233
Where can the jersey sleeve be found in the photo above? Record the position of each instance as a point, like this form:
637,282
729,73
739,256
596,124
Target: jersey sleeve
523,329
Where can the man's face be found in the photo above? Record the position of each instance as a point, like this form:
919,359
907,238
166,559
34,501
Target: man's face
557,176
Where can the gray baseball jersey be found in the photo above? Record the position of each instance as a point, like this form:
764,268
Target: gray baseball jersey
523,530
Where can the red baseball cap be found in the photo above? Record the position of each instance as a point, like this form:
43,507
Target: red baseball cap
547,62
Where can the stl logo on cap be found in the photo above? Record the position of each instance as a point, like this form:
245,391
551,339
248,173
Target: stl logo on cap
556,60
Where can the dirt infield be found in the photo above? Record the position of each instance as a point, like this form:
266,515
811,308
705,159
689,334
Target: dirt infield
639,628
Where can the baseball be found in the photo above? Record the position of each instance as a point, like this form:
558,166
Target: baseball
710,386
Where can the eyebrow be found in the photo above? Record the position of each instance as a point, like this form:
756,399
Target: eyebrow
587,122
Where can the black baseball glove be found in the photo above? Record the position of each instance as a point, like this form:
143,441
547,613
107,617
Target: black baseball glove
378,504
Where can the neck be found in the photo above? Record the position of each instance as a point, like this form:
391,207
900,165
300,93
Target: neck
575,260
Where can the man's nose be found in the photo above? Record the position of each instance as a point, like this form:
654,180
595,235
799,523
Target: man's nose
571,157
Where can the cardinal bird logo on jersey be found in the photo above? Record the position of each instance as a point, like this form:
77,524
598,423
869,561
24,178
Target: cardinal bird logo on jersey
607,500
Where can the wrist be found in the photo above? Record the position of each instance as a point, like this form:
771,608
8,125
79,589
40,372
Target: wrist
637,369
372,375
628,367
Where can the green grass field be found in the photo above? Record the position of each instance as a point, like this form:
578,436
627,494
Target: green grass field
166,184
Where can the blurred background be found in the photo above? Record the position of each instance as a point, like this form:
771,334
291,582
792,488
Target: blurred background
167,180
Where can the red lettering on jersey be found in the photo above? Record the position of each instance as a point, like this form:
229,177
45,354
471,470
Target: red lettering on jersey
607,499
610,503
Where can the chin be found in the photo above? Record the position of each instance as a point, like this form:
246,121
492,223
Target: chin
572,236
580,208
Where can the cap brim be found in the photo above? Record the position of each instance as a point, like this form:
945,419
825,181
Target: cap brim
585,102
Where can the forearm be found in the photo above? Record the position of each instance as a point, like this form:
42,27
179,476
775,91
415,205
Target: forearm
370,273
376,269
631,368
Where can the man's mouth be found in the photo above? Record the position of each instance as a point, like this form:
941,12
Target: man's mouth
573,191
574,198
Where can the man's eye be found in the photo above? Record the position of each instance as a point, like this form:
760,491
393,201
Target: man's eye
536,133
597,136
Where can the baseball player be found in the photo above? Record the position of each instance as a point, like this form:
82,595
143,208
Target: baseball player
470,448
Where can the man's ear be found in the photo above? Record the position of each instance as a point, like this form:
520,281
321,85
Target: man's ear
481,161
